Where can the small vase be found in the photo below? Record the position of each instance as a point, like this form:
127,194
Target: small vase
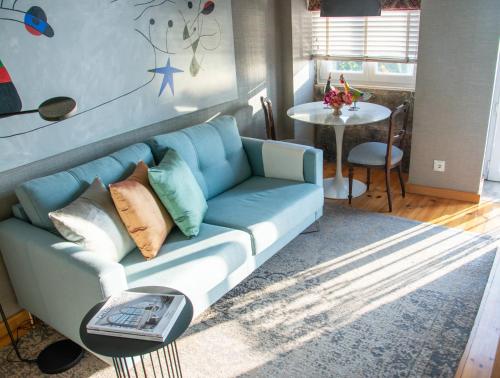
337,111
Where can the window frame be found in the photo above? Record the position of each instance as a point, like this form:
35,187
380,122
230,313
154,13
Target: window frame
368,78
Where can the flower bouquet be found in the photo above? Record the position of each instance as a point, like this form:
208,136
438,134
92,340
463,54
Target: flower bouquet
336,99
355,93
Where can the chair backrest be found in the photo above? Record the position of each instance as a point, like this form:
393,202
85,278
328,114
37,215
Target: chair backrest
397,129
267,106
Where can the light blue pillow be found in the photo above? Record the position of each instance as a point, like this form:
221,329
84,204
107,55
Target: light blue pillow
179,192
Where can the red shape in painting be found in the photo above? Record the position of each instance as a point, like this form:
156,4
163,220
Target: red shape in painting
208,8
4,75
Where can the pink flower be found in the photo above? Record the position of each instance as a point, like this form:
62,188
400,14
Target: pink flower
335,98
347,97
329,96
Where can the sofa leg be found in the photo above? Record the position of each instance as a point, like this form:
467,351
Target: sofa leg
32,320
317,228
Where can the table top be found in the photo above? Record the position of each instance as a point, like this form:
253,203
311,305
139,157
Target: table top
319,114
120,347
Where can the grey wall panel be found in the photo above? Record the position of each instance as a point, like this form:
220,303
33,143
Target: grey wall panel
456,69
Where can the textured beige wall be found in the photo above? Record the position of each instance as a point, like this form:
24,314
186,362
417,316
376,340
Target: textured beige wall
456,70
258,58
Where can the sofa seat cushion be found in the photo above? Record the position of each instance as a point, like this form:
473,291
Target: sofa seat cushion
267,208
193,266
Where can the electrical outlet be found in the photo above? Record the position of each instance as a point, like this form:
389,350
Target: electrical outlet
439,165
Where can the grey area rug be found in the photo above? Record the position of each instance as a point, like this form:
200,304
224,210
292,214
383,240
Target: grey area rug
369,295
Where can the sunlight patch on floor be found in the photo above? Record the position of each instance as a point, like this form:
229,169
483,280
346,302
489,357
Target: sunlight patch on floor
243,353
358,282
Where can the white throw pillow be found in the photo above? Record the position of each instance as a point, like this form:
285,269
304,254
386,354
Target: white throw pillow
283,160
93,222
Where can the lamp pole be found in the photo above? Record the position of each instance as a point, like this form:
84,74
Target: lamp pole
54,109
61,355
11,336
5,115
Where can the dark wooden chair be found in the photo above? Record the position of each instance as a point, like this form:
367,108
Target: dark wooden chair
386,156
267,106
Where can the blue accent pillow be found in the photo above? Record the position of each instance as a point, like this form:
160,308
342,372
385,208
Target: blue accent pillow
179,192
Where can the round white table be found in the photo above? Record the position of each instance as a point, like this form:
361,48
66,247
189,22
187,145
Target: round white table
317,113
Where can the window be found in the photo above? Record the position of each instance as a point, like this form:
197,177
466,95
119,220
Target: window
383,74
370,50
386,68
347,66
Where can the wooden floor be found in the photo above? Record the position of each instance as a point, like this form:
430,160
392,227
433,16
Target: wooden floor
484,218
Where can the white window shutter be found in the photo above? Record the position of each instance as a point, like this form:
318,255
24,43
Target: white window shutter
391,37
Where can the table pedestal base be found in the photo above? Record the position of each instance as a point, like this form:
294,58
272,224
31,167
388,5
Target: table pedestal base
339,189
164,363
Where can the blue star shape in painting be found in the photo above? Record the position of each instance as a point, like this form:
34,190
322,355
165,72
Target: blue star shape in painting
168,76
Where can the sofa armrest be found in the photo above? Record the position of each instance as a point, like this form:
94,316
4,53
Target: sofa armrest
58,281
313,166
313,160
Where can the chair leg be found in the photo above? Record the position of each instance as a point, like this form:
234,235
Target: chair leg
316,135
401,181
368,178
351,177
388,187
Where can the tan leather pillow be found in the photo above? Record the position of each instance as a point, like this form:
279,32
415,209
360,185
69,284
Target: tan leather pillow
147,221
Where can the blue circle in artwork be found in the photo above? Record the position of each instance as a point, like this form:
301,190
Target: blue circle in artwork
35,22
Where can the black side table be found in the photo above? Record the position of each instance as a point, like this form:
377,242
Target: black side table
123,350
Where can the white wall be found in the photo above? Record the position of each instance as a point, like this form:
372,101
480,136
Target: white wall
456,69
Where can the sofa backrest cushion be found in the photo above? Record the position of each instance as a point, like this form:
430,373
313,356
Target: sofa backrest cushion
212,150
40,196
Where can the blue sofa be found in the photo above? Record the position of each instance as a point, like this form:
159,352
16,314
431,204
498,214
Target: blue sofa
250,218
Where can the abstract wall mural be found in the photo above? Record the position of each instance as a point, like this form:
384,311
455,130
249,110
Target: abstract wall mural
127,63
10,102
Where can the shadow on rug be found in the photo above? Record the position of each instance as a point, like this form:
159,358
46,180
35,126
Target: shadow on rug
369,295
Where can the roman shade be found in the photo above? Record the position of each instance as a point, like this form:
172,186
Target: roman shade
315,5
349,8
391,37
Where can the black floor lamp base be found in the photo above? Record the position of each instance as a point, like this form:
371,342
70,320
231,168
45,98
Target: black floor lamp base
56,358
59,356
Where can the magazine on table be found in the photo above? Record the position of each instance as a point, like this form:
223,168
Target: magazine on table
142,316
